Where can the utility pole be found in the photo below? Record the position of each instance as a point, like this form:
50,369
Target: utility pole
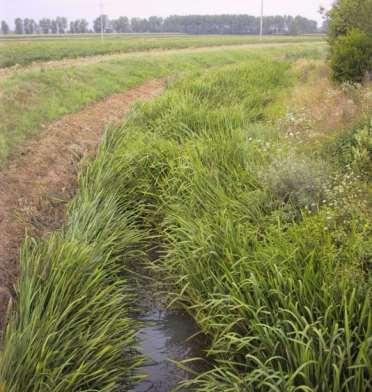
261,22
101,12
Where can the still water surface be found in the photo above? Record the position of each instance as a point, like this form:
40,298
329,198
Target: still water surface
166,335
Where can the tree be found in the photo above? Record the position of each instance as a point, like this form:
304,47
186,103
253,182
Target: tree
4,27
139,25
19,29
231,24
79,26
350,39
45,25
348,14
121,25
83,26
301,25
155,24
72,29
29,26
54,26
101,23
61,24
189,24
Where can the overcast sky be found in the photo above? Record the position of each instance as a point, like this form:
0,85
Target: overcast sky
89,9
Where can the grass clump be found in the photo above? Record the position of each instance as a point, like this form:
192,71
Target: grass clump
297,180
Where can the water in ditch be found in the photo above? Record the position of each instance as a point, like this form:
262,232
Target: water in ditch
167,336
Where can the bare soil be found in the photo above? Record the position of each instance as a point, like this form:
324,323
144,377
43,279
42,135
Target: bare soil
40,178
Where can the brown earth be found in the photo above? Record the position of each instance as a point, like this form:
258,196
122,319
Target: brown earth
40,178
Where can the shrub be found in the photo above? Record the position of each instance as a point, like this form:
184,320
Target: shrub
296,180
351,56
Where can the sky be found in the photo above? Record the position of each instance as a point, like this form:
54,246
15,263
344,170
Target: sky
89,9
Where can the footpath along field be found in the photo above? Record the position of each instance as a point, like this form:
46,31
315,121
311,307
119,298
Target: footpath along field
252,180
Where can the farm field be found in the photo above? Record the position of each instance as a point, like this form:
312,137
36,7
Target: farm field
243,190
33,96
24,51
68,36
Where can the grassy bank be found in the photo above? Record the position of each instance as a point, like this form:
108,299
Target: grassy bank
25,51
264,241
70,330
32,97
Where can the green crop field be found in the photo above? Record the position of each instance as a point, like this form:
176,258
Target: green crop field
24,51
243,190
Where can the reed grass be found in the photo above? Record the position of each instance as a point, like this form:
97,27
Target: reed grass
281,288
70,329
282,291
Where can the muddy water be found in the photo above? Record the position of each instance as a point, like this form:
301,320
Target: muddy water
166,336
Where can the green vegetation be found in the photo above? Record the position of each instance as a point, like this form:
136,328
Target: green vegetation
186,24
274,269
24,52
351,56
32,97
350,38
71,330
349,14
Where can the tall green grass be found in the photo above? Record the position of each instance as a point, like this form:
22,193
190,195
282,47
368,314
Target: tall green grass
70,329
281,289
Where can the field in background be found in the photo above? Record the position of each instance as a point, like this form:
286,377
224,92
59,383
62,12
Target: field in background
23,50
37,37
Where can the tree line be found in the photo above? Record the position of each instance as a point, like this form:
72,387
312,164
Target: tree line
190,24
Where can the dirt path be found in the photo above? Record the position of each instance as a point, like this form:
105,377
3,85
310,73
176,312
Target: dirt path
40,178
7,72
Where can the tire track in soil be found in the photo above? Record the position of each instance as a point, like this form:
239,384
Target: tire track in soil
41,177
